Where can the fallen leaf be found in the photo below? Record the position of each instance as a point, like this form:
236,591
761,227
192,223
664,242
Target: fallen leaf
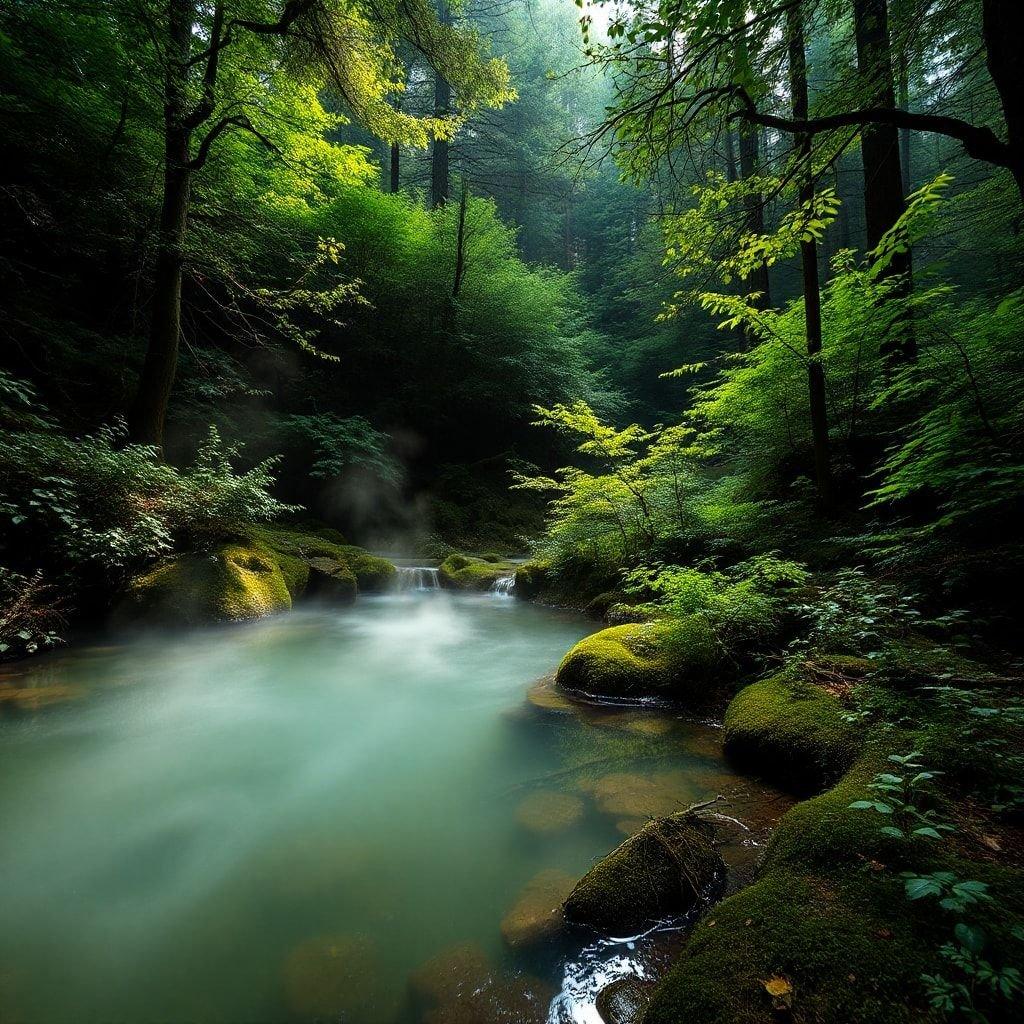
884,933
749,921
780,990
992,843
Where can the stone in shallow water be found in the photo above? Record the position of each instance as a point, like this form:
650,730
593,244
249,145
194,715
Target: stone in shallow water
624,1001
337,977
631,795
33,698
537,914
641,724
458,986
543,694
548,811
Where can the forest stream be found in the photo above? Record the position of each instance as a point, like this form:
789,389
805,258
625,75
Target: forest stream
351,813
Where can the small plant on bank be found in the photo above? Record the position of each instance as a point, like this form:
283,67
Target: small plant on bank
901,796
977,981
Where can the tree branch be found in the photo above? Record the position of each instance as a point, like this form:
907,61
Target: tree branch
980,143
240,121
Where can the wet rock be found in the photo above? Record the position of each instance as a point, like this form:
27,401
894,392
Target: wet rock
664,869
330,578
547,811
537,913
543,694
624,1001
337,977
459,986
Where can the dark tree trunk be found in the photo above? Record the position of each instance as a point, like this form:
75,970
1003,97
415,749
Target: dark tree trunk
755,211
149,412
439,157
809,260
396,167
880,149
1003,30
460,242
730,157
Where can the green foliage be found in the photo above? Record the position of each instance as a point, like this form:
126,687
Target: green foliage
98,505
902,797
743,604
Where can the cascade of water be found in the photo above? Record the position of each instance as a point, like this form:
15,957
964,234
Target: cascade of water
417,577
503,586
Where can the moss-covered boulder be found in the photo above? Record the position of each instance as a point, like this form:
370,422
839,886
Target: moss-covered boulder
665,868
827,917
792,731
465,572
679,660
370,572
530,580
330,578
234,582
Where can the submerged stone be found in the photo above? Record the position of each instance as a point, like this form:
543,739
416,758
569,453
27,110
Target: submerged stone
666,868
549,811
632,795
337,977
537,913
544,694
459,986
624,1001
32,698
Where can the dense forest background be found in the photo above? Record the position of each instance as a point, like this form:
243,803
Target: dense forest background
393,234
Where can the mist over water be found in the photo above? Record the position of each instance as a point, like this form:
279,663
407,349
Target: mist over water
216,809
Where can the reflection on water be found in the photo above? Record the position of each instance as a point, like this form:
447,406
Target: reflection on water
329,815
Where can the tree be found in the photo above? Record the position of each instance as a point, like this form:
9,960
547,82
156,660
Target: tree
204,49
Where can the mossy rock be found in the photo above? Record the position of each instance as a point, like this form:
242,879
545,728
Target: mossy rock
371,572
233,583
465,572
530,580
665,868
330,578
790,731
681,660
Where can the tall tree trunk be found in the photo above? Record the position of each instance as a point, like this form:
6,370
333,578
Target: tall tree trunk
755,211
1003,29
460,242
730,156
809,260
883,179
396,167
439,157
149,411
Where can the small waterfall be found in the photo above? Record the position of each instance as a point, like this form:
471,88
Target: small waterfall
417,577
503,586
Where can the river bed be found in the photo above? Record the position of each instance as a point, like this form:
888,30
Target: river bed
328,816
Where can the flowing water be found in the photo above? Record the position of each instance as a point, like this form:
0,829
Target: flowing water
327,816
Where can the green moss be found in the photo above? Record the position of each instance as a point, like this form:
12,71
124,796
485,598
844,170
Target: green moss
234,582
530,579
295,572
789,730
663,869
372,572
464,572
681,660
331,579
829,915
834,941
